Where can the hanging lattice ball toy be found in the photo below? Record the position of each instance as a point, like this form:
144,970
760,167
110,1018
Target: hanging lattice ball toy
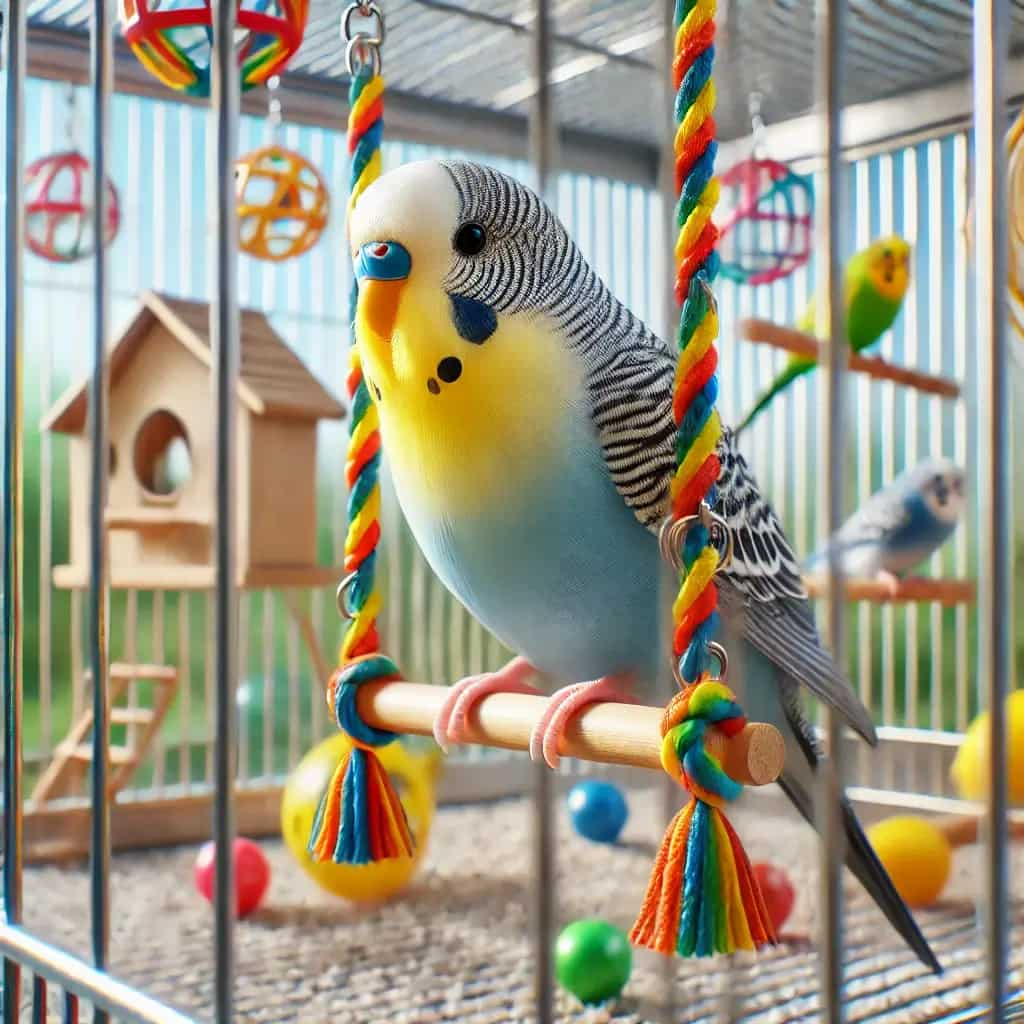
283,203
173,39
767,223
58,208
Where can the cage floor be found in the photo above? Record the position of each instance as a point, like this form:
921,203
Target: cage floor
455,947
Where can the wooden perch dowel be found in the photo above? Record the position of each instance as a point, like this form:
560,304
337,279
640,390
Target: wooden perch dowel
910,590
962,830
610,733
764,332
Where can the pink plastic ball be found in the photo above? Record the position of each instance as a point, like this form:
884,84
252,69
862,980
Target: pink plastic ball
252,874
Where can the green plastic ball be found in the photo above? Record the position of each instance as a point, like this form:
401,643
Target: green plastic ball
592,960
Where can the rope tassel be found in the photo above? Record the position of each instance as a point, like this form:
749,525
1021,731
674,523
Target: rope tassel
360,819
703,897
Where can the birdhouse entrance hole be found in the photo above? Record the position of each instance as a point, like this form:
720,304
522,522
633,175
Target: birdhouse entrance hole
162,455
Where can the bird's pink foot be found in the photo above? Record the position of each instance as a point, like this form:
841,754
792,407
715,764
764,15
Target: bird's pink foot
566,704
450,723
891,581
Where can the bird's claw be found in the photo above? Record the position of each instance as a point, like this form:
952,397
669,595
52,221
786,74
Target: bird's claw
450,721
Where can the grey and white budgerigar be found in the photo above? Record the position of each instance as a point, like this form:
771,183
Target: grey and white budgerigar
901,525
526,414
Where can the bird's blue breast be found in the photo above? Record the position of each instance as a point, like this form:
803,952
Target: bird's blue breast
562,573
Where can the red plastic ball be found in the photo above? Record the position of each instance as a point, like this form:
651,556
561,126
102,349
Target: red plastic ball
779,894
252,874
58,208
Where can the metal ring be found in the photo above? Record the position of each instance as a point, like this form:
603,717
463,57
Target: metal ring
363,47
341,597
365,10
672,536
716,650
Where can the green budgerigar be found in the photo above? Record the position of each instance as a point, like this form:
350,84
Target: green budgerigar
876,283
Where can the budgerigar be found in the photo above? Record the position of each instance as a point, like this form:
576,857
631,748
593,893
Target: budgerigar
876,283
527,420
901,525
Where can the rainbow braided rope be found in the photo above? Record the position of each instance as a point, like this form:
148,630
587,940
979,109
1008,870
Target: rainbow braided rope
702,898
696,386
360,818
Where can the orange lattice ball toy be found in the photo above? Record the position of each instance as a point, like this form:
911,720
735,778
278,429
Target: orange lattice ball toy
58,208
172,39
282,203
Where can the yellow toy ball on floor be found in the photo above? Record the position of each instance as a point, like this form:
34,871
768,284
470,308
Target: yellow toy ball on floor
916,855
413,775
970,767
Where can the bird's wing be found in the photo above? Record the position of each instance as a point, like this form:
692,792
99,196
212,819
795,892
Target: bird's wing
630,373
882,515
761,586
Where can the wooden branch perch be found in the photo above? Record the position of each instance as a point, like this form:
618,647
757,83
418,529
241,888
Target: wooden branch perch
962,830
912,589
764,332
610,733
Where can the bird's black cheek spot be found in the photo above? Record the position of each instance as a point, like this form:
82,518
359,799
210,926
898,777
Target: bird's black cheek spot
474,320
433,387
449,369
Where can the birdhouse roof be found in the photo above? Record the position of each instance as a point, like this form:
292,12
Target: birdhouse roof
273,381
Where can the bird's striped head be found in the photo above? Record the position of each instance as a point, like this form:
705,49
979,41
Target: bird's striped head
887,264
456,264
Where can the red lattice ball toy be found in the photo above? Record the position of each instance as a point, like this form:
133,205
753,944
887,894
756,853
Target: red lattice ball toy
766,221
283,203
58,208
173,38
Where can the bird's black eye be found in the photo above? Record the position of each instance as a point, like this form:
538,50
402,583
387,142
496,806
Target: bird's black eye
470,239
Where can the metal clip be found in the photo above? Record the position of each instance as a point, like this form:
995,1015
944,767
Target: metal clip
717,651
341,597
273,106
672,536
363,48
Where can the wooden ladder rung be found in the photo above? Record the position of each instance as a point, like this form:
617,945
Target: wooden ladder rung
157,673
116,755
130,716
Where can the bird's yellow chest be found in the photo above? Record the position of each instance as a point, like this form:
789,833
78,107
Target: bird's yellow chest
468,426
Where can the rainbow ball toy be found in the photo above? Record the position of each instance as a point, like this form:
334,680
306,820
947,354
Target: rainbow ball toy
916,855
252,874
413,775
172,39
282,203
593,960
58,208
597,810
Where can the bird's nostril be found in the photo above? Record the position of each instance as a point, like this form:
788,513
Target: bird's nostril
381,249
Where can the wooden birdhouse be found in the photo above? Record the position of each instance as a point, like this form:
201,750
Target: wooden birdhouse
160,509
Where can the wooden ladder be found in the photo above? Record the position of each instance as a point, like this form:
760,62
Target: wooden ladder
73,755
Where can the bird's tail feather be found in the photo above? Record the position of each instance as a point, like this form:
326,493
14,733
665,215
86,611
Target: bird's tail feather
796,367
862,860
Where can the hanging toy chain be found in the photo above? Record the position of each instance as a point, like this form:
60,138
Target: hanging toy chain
361,819
702,897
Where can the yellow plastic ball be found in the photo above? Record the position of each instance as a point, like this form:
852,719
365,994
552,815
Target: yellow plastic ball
970,767
413,774
916,855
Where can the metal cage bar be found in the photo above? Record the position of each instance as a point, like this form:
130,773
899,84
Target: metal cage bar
224,337
991,45
830,790
13,482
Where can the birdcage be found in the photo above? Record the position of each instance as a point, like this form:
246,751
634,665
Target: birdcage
176,534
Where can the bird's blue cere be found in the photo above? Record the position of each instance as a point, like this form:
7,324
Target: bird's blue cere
383,261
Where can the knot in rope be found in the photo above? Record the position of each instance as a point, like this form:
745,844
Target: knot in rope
683,729
343,688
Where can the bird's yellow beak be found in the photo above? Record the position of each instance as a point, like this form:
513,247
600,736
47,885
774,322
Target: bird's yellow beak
381,268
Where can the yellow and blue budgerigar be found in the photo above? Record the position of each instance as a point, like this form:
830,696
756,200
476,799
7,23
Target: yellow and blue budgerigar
527,419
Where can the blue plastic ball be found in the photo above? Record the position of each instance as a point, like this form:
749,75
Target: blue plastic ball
598,810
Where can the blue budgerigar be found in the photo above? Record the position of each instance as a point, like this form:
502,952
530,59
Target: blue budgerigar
527,419
901,525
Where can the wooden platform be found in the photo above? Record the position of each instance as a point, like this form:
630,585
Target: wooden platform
200,577
913,589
